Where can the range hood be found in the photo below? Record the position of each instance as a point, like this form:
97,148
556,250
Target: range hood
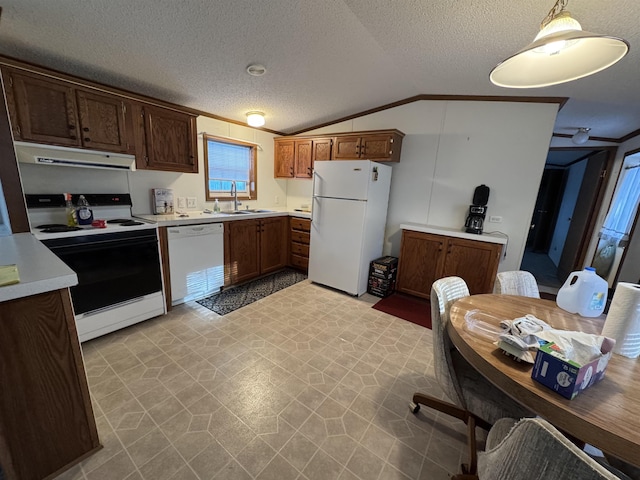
72,157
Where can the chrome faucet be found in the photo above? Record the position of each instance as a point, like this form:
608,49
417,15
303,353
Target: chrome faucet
234,194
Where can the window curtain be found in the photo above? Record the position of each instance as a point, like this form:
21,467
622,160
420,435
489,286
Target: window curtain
622,212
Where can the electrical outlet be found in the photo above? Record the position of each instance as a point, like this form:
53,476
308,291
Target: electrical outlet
182,202
495,219
191,202
277,200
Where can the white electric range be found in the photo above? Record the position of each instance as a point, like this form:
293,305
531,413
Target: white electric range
118,266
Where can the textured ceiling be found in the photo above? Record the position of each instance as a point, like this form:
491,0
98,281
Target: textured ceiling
325,59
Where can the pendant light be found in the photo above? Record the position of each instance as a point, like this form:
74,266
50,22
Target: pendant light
561,52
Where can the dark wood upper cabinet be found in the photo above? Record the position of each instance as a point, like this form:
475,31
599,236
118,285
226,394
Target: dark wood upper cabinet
41,109
382,147
169,140
55,109
294,157
284,158
103,122
303,160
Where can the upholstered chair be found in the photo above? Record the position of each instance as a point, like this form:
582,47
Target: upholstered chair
516,283
473,399
533,449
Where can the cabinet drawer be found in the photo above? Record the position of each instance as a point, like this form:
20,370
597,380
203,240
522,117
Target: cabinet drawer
300,249
300,224
300,237
300,262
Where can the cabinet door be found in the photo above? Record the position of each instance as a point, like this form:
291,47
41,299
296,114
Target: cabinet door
41,109
421,261
346,148
321,149
170,140
273,244
474,261
45,410
376,147
102,122
303,158
244,260
284,156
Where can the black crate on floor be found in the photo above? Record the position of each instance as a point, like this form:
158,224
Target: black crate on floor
382,276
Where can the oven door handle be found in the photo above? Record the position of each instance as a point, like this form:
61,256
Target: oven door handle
101,244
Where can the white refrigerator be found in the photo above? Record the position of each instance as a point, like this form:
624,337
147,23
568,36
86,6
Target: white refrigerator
349,214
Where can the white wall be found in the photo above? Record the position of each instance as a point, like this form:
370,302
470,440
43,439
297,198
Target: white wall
451,147
574,182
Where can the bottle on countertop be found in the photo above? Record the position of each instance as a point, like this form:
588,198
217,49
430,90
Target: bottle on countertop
83,212
72,219
216,206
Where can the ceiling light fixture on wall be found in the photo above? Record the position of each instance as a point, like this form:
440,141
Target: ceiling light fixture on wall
581,136
561,52
255,119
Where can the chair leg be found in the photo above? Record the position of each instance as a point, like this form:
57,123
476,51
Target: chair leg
461,414
441,406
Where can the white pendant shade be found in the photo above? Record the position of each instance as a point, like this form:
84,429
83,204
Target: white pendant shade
561,52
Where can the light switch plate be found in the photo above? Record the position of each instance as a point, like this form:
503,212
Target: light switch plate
191,202
182,202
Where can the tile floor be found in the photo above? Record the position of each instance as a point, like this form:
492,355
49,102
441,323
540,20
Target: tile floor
305,384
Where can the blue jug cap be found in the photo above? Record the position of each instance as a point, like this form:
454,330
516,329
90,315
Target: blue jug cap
591,269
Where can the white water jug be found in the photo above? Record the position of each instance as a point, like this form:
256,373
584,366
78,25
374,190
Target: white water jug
584,293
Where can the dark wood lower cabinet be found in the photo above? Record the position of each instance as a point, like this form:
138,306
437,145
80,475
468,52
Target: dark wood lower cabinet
426,257
254,247
46,418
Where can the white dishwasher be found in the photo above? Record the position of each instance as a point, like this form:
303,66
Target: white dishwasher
196,261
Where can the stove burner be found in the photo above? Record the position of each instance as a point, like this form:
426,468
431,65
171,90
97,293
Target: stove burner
119,220
124,222
58,228
51,225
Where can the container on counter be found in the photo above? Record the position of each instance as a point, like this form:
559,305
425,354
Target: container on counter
84,212
584,293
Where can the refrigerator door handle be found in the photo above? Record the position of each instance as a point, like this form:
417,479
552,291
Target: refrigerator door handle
313,194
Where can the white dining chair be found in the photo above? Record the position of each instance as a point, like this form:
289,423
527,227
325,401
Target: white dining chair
473,399
518,282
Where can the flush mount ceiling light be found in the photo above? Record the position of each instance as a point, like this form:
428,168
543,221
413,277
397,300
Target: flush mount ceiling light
255,119
561,52
581,136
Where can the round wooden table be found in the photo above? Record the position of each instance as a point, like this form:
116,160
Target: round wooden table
606,415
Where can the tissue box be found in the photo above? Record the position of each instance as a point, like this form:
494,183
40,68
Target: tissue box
567,377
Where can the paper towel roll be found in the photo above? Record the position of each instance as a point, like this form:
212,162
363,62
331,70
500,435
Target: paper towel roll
623,320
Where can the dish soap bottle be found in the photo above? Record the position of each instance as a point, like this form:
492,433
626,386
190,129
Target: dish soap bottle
72,219
83,212
216,207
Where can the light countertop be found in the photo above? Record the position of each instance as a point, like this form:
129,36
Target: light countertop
39,269
453,232
198,217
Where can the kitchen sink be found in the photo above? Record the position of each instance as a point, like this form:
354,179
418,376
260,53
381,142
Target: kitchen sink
245,212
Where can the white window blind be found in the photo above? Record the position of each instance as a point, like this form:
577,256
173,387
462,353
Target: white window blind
228,162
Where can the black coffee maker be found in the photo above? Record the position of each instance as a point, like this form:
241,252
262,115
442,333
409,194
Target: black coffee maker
477,211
